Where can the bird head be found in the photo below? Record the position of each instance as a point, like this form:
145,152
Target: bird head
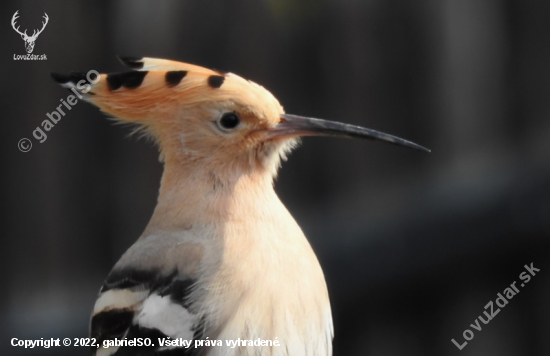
204,117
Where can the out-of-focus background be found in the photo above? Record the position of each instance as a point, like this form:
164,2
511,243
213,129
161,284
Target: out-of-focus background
413,245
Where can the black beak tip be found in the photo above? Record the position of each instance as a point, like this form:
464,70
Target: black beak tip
422,148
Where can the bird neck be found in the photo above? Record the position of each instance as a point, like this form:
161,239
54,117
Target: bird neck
195,193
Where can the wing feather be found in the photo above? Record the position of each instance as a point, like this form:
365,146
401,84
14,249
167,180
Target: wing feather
144,304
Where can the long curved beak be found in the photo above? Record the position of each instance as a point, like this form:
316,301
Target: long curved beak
293,126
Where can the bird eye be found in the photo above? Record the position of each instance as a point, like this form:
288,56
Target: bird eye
229,121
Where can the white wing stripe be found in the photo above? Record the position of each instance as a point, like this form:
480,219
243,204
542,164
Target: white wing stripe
170,318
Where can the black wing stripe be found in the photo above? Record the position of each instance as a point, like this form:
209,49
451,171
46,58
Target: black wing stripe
180,290
111,324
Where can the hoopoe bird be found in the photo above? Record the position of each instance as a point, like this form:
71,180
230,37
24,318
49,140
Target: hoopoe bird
221,258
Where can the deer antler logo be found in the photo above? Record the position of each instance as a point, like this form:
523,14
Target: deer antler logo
29,40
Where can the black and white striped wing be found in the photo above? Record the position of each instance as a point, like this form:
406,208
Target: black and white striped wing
144,304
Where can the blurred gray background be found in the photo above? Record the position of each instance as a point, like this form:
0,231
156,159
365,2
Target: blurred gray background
413,245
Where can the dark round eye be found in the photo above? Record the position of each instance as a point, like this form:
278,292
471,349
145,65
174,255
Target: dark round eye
229,120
